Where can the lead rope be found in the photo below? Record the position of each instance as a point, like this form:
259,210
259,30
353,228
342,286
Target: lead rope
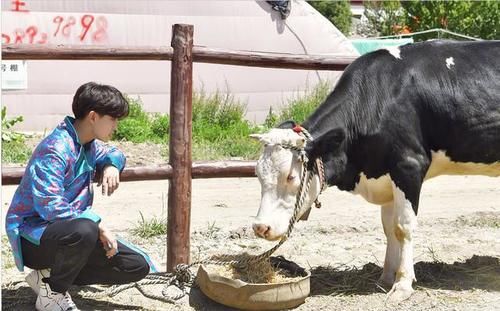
182,275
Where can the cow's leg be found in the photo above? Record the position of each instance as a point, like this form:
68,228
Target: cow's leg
408,176
393,250
405,223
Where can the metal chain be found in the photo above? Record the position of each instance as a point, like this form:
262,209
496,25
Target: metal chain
183,276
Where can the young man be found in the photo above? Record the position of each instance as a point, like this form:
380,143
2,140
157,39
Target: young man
50,224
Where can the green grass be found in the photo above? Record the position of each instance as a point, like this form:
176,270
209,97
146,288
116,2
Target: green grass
220,130
15,151
141,126
7,257
148,228
300,107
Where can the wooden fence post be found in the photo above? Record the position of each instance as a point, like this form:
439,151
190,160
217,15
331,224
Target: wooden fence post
179,189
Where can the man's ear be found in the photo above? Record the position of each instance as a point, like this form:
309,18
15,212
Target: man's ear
325,143
92,115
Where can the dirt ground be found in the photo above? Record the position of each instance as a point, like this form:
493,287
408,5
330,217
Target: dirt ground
456,246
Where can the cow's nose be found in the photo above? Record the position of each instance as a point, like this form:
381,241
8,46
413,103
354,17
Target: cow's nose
261,230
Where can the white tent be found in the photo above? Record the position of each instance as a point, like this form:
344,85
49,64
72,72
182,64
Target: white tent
240,25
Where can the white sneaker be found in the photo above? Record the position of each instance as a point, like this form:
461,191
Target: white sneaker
48,300
34,279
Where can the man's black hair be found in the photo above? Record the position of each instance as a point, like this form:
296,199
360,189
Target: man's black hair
103,99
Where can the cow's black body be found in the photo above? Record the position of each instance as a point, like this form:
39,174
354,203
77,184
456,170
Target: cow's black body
387,114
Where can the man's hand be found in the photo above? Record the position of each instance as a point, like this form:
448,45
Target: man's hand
108,241
110,180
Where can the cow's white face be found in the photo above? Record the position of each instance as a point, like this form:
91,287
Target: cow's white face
279,171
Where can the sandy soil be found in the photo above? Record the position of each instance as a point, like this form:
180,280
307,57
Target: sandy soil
459,220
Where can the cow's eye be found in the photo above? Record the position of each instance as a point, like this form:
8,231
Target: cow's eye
290,178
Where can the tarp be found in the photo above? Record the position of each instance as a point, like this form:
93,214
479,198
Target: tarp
229,24
364,46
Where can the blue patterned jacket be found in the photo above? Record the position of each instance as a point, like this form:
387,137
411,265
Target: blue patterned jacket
57,184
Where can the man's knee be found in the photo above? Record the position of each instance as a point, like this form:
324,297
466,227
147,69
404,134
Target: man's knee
139,269
84,233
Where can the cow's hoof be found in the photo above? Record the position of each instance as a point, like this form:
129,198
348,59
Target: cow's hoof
387,279
399,293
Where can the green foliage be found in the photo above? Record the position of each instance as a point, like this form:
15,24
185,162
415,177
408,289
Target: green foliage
14,149
219,124
7,124
271,119
160,126
299,108
141,126
7,257
218,116
473,18
220,130
148,228
337,12
384,17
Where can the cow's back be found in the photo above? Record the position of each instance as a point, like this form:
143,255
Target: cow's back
443,96
456,88
436,99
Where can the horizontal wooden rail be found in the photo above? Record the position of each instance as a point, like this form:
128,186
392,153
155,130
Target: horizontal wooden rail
84,52
216,169
200,54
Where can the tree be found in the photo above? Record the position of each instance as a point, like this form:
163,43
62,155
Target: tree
479,19
384,17
337,12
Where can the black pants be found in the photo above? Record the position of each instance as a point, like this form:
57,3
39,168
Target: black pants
75,255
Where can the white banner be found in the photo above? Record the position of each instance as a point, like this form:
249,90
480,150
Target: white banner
14,75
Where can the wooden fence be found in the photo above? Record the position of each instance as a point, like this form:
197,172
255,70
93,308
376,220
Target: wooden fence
180,170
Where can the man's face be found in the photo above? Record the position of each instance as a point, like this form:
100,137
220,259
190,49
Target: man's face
104,126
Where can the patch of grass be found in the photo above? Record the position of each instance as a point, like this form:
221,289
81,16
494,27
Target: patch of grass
141,126
212,230
15,151
300,107
148,228
220,130
7,257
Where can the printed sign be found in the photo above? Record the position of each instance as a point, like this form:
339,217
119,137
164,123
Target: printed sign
14,75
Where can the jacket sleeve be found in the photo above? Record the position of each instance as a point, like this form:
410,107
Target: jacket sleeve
47,174
108,155
49,201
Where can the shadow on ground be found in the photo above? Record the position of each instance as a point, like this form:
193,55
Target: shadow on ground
478,272
21,298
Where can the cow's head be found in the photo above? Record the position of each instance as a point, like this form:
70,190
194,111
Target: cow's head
279,171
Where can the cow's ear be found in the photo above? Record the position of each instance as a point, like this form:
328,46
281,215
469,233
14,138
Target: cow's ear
327,142
288,125
262,138
335,136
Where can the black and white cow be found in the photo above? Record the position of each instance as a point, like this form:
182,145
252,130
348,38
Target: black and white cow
396,118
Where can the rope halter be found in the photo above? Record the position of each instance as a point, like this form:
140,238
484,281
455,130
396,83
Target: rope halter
318,167
183,276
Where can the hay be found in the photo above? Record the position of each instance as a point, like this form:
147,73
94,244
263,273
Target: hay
343,280
478,272
261,272
481,272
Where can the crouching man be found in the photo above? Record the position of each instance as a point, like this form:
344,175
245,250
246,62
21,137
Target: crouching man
50,224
